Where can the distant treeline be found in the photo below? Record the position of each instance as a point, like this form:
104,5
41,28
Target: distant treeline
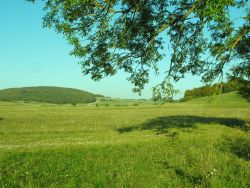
243,86
245,90
56,95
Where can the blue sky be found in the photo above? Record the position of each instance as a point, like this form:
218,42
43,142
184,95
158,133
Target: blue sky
34,56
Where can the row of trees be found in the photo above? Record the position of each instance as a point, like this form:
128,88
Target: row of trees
243,86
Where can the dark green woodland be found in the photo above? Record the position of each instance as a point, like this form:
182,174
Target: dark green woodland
56,95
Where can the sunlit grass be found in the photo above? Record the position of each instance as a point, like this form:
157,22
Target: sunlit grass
171,145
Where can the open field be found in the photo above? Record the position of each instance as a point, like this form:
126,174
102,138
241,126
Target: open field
201,143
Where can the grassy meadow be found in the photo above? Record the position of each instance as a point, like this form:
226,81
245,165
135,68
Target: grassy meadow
200,143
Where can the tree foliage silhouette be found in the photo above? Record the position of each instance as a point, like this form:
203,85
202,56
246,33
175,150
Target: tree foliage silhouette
130,35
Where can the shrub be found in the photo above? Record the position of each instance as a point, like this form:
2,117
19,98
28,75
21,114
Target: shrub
187,98
245,91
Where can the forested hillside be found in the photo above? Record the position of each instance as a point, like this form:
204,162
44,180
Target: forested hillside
243,86
55,95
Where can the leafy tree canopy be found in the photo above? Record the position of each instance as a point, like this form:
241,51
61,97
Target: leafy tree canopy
131,35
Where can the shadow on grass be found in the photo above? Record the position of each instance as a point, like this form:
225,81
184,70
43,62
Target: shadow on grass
162,124
1,119
239,147
195,179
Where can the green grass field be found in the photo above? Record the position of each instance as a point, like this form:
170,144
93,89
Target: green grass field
201,143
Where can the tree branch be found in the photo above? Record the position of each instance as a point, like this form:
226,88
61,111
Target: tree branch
164,27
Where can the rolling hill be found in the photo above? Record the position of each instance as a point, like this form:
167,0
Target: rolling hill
56,95
227,99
